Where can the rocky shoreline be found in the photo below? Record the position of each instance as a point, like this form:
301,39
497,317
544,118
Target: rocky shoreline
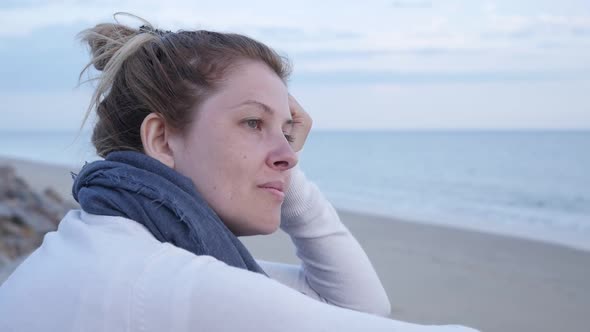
25,216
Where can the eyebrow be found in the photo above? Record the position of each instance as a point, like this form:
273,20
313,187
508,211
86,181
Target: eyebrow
264,107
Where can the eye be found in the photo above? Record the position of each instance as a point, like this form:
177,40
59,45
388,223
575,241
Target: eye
290,138
254,123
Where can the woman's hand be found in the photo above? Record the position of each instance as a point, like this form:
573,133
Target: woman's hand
301,124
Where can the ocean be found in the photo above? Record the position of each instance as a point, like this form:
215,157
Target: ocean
529,184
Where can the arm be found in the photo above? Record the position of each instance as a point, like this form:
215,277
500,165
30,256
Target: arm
334,268
204,294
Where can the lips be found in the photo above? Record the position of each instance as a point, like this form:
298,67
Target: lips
274,187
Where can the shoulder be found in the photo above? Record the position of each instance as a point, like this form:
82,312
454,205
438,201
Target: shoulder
88,262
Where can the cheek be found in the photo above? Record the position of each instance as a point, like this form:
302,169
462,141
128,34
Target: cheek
224,163
228,168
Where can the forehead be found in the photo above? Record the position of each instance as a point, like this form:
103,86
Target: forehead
252,80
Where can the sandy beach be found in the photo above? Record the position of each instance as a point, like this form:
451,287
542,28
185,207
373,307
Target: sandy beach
439,275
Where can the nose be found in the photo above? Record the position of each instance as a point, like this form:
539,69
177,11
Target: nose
282,157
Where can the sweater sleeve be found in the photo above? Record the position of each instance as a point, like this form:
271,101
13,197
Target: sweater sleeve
334,268
204,294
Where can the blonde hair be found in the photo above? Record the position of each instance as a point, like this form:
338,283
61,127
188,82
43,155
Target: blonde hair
147,71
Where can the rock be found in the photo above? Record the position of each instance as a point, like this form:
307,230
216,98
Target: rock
4,260
36,220
52,195
25,217
5,211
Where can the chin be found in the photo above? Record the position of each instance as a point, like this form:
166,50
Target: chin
270,230
266,221
260,227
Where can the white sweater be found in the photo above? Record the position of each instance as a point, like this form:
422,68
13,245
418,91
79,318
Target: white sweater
103,273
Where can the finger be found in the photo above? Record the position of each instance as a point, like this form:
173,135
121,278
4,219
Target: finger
298,114
302,123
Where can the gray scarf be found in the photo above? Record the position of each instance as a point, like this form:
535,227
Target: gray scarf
135,186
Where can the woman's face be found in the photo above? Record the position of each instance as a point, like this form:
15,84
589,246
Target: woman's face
236,152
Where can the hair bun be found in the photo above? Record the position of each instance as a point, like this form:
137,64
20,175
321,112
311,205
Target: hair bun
105,40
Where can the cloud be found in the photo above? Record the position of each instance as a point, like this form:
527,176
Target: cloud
49,110
521,26
409,4
432,66
23,19
310,26
288,37
431,77
372,54
5,4
459,36
581,31
463,105
314,55
44,61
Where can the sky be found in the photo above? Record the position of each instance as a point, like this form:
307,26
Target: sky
370,65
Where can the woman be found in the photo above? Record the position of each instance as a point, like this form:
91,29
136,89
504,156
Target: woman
200,139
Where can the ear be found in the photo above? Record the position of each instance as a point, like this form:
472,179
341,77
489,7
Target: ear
155,138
